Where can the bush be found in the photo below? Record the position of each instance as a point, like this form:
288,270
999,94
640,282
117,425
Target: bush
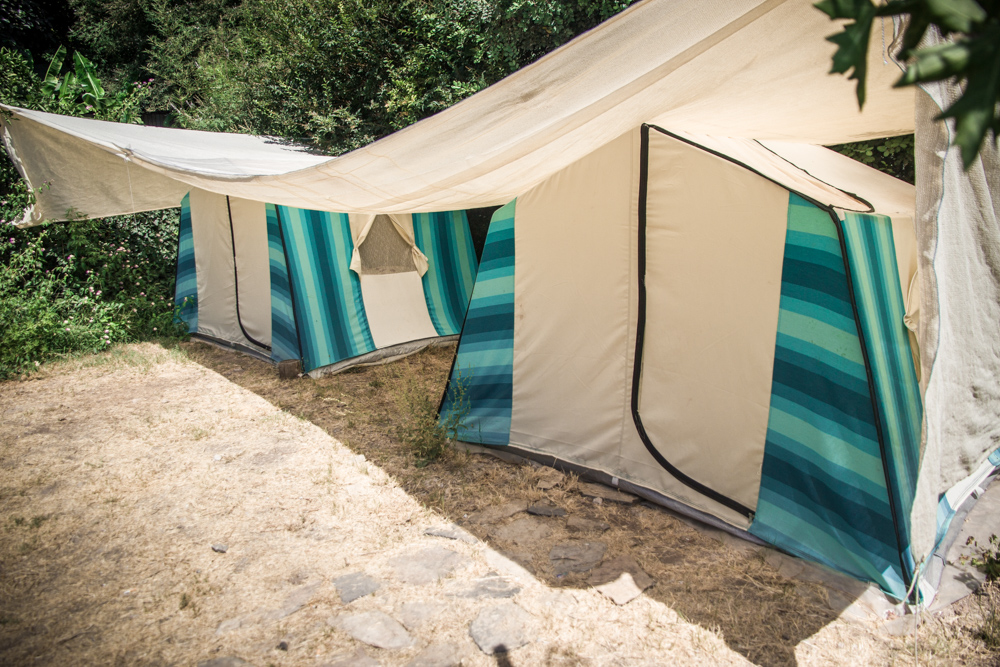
422,428
82,286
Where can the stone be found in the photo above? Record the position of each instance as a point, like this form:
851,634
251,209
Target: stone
289,369
427,565
451,532
355,585
415,615
375,628
578,524
498,513
606,493
546,509
525,531
437,655
612,569
576,556
220,548
230,624
549,478
500,629
357,659
226,661
490,586
622,590
295,600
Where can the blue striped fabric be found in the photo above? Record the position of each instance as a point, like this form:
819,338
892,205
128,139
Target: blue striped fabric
186,287
481,382
329,310
872,257
823,494
445,239
284,335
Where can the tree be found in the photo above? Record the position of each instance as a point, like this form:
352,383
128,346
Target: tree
971,56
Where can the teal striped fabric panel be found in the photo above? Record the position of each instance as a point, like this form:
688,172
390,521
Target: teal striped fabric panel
822,493
186,287
329,310
481,383
879,296
284,336
446,241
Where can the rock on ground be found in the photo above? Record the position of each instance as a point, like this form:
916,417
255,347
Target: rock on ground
437,655
501,628
355,585
375,628
576,556
427,565
525,531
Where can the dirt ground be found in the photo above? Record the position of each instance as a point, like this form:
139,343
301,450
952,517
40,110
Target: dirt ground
120,471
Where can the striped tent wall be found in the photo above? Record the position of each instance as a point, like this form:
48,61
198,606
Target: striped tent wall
481,384
284,334
875,275
186,287
446,241
326,294
823,489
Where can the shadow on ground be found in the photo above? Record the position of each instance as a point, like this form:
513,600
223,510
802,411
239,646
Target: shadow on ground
757,600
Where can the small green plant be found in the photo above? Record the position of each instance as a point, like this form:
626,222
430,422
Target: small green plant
986,558
18,520
185,600
38,520
423,429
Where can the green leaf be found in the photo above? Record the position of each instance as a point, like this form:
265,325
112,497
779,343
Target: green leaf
852,44
956,15
936,63
93,94
56,64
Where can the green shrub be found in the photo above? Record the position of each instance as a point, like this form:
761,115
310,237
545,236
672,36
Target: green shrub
422,428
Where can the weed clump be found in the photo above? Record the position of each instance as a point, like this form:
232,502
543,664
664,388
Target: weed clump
422,428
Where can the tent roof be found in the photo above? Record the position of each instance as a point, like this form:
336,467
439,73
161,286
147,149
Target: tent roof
739,68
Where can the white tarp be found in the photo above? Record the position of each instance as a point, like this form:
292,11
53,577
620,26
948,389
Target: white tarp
747,68
958,238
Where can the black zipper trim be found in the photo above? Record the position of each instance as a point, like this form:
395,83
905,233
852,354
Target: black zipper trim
852,195
889,487
236,282
291,286
643,175
640,331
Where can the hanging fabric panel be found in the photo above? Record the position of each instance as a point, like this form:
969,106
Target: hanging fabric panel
875,275
186,288
823,494
329,310
480,387
446,241
284,336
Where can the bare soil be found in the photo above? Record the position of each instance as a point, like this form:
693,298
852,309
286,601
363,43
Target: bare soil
118,472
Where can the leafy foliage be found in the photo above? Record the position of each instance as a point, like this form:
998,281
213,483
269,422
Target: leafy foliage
893,156
68,288
972,56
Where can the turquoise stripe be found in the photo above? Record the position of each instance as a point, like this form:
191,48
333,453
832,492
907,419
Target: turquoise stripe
284,336
447,242
332,324
485,357
879,296
823,492
823,356
186,287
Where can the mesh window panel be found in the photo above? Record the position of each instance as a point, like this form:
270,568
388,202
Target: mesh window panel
384,250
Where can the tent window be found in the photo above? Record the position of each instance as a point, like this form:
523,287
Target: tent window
384,250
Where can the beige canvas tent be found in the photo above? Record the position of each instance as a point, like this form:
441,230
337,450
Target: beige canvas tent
717,73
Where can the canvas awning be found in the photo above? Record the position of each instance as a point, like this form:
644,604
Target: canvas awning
746,68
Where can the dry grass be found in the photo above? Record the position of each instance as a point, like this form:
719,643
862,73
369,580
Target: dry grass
118,471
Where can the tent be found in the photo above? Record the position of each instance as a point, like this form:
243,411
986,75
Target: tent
714,324
330,289
730,77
